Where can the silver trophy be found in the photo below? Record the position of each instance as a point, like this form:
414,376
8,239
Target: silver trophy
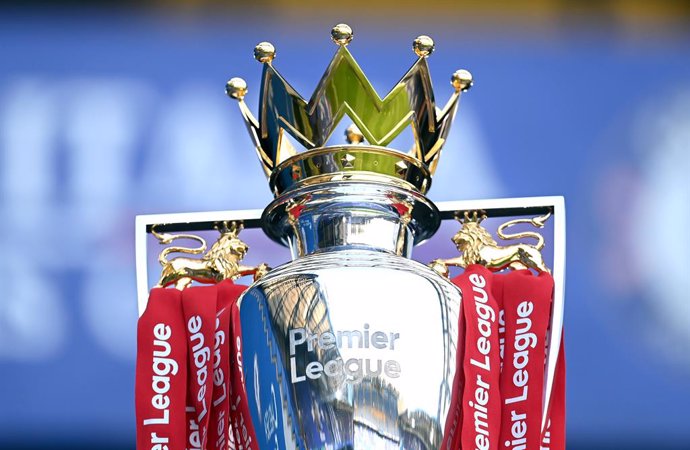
353,344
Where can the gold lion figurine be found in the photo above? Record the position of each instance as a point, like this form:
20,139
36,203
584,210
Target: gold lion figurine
221,262
478,247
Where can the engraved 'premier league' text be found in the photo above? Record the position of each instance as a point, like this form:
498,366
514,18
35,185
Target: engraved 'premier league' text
354,369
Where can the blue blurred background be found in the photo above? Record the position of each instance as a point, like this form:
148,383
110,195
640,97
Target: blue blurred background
108,110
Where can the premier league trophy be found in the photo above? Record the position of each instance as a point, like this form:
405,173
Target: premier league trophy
353,344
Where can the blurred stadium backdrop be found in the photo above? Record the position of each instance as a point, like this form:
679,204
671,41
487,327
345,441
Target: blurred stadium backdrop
112,109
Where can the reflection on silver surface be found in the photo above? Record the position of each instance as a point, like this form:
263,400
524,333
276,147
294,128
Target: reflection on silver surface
358,343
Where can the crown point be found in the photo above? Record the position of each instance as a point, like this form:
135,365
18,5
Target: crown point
264,52
342,34
236,88
423,46
353,135
461,80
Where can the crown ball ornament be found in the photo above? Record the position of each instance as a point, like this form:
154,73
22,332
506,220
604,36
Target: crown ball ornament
342,34
423,46
264,52
461,80
236,88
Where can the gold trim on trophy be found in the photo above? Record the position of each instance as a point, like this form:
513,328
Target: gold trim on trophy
220,262
344,90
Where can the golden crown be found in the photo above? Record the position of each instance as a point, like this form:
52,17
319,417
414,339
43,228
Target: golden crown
345,90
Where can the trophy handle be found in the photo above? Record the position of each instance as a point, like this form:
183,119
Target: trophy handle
539,209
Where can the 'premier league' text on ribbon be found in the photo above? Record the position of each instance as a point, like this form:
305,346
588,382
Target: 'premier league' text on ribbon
202,354
524,339
220,388
163,368
483,398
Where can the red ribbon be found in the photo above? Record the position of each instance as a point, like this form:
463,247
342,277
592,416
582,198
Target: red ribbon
498,386
161,371
527,306
497,288
220,421
220,433
199,306
241,421
192,431
481,401
553,437
190,385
